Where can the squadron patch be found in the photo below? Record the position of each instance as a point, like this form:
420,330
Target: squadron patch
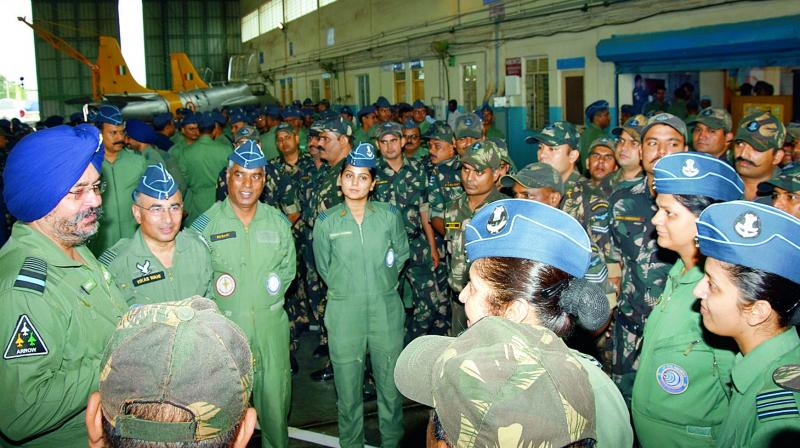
25,341
225,285
273,284
672,378
390,258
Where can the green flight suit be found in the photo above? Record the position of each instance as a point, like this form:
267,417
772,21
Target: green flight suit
361,264
676,348
200,166
590,134
121,178
493,132
56,316
253,267
144,280
178,138
764,406
424,126
360,136
268,145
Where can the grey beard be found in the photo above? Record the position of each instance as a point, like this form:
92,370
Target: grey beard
67,230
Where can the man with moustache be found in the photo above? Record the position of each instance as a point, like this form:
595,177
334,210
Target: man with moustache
122,169
645,265
58,304
601,163
758,147
383,110
712,133
159,263
627,150
468,130
413,149
366,119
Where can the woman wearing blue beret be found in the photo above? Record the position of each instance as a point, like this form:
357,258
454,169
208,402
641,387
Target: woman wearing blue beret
680,394
750,293
528,263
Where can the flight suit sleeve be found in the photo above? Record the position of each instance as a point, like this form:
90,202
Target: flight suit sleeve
399,238
287,269
41,391
322,248
777,431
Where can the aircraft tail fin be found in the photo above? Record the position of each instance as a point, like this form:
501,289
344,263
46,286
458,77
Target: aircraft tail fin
184,75
114,76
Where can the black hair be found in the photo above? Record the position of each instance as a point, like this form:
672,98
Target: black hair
756,284
372,171
695,203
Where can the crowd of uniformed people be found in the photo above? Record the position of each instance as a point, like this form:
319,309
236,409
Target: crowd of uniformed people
635,286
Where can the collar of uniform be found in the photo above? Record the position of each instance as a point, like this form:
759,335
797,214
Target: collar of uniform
204,137
691,276
230,214
141,249
494,195
122,157
42,247
747,368
368,209
454,161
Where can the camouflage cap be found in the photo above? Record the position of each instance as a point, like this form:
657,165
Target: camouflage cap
500,383
788,180
714,118
505,156
389,127
602,141
556,134
762,131
468,125
632,126
536,175
181,353
482,155
667,120
792,132
440,130
246,133
338,125
285,128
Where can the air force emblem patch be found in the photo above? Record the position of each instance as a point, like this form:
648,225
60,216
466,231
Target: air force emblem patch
498,221
25,341
747,225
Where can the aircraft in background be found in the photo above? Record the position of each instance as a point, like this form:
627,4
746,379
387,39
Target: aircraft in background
113,83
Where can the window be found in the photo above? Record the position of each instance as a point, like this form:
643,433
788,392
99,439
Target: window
299,8
469,85
363,90
400,85
250,26
314,87
538,94
417,84
270,14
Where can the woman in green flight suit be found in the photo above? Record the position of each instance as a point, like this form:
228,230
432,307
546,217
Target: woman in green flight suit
360,247
682,386
749,293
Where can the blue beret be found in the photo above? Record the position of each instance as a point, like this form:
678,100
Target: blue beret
596,107
751,234
162,119
273,111
53,121
238,116
218,117
382,102
45,165
205,121
486,107
366,111
520,228
305,112
418,104
346,110
191,118
141,131
363,156
626,109
107,113
76,117
696,173
410,124
248,155
156,183
290,112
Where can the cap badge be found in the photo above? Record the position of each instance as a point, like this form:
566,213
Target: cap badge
634,122
661,117
144,268
369,152
672,378
747,225
689,170
468,122
498,221
707,113
752,126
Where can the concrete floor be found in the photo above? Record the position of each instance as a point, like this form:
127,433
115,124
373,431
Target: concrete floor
314,405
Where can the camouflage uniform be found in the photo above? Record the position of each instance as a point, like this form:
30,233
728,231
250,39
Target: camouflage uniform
314,287
407,190
614,181
645,267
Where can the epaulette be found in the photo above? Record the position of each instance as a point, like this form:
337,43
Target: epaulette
32,276
285,219
322,216
107,257
787,377
200,223
393,209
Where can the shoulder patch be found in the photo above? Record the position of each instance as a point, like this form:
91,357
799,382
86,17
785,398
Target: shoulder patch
775,403
393,209
25,340
107,257
32,276
200,223
322,216
285,219
787,377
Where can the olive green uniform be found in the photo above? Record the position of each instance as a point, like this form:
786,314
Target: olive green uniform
144,280
361,264
268,144
121,178
253,266
56,317
681,390
764,405
361,136
200,165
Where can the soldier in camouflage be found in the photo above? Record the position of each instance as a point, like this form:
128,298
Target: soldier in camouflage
479,176
627,150
758,146
404,184
645,265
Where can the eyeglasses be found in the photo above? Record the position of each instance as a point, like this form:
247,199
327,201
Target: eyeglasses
157,210
98,188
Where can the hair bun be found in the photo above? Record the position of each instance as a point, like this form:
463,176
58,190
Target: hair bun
587,303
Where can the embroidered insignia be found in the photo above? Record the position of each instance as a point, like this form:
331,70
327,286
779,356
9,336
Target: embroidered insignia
672,378
775,403
32,275
707,113
452,225
273,284
752,126
390,258
452,184
497,222
25,341
747,225
634,123
788,377
223,236
144,268
225,285
688,169
148,278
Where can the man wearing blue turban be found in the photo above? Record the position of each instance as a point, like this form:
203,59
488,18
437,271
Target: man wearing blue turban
57,302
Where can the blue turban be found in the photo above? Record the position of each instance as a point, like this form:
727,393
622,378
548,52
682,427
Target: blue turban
160,121
45,165
141,131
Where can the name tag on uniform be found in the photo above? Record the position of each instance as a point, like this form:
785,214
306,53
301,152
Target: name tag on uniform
452,225
333,236
630,218
150,278
452,184
223,236
267,236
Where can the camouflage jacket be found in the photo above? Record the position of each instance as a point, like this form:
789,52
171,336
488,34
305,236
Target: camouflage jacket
326,193
445,186
309,178
644,264
454,217
406,189
290,181
614,181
